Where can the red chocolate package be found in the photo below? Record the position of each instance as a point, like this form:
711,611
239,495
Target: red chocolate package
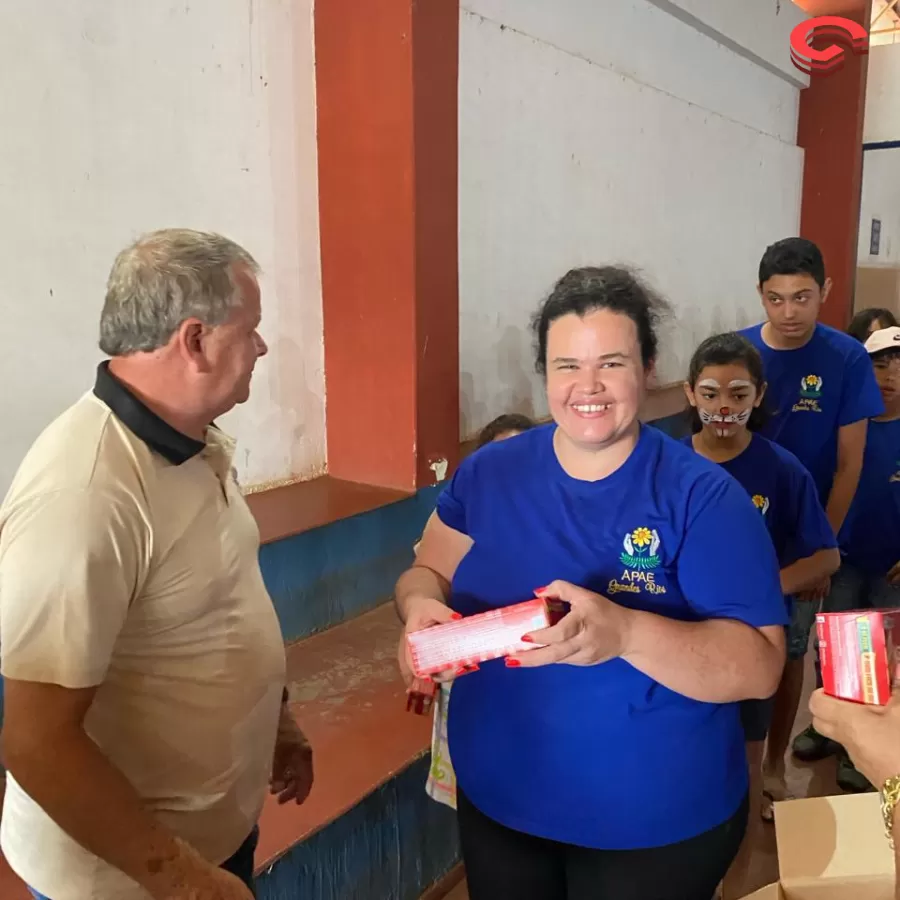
858,652
477,639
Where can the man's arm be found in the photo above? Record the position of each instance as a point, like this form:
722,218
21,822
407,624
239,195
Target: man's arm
47,751
851,447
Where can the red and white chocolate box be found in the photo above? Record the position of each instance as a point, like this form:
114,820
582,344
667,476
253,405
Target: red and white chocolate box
858,652
477,639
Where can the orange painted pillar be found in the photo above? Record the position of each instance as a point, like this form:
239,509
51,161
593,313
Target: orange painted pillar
832,111
386,86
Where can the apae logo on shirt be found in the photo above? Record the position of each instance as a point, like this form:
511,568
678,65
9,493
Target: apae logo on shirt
810,392
761,503
641,557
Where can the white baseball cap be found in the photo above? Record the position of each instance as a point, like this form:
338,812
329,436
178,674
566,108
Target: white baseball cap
883,339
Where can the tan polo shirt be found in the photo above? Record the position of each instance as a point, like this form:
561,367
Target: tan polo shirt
128,561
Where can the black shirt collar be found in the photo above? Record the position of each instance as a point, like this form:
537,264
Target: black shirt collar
159,435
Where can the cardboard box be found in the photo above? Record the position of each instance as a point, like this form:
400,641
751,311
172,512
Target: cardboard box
476,639
858,654
831,848
877,287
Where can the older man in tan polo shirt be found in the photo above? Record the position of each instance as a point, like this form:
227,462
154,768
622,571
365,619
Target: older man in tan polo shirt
143,661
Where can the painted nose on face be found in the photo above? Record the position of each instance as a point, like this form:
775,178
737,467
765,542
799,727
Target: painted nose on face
724,411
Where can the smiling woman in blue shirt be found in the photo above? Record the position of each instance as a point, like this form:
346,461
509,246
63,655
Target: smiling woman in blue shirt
608,761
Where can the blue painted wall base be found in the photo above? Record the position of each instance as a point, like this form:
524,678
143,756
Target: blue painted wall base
393,845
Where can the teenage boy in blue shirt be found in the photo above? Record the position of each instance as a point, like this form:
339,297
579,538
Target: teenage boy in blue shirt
823,392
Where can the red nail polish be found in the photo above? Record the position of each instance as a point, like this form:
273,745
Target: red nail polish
527,639
456,617
512,664
538,590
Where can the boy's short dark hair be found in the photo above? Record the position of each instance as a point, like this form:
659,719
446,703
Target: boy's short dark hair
507,422
792,256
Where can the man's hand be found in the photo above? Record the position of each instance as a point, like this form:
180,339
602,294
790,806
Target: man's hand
188,876
871,734
292,764
593,631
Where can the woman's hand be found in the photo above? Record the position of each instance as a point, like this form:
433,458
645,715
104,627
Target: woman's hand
870,734
422,612
593,631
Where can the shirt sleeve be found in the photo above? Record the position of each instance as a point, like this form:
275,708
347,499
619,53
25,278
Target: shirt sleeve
727,566
454,499
860,397
810,531
70,564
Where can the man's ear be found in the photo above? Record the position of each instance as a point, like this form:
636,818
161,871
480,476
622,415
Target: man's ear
189,339
826,289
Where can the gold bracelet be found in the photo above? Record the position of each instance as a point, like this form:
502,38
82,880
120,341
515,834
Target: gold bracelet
890,796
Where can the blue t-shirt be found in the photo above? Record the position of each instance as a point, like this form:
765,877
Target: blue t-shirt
814,391
603,756
784,493
870,537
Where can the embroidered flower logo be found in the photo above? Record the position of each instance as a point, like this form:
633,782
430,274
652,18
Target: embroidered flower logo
641,548
761,503
811,386
641,537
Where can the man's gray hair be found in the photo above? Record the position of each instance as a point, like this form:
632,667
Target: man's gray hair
164,278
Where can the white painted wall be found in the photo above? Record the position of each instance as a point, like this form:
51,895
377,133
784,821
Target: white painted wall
880,200
881,168
628,132
123,117
882,122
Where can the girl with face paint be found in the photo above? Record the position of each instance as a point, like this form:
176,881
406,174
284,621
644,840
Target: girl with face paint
726,390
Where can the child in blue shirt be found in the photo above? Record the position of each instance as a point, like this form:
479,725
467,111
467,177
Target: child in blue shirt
725,389
822,392
870,539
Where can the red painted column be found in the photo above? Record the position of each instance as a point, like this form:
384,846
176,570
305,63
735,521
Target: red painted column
386,86
832,110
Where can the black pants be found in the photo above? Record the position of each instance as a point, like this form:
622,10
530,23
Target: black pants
502,864
241,864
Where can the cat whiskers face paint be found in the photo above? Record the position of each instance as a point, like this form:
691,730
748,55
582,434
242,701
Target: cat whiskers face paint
724,420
